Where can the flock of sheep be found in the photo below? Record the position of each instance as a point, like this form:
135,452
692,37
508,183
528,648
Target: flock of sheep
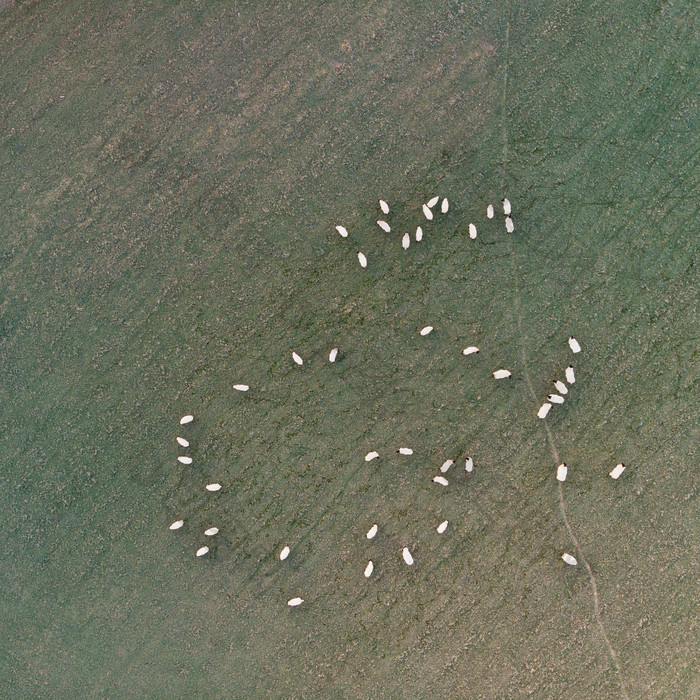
552,399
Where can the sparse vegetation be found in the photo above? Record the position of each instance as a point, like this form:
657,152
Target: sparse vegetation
172,174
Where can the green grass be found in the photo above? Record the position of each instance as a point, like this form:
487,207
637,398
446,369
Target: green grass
171,177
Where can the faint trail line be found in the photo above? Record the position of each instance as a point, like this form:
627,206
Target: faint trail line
591,577
519,319
505,121
555,455
526,373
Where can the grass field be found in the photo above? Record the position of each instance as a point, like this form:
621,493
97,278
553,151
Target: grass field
171,177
